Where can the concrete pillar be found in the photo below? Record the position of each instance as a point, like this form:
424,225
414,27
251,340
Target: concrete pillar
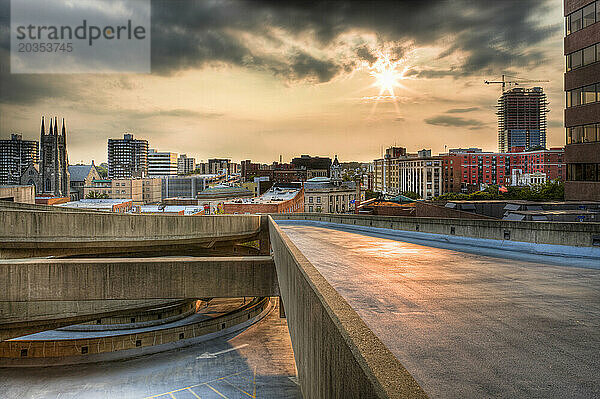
264,242
281,309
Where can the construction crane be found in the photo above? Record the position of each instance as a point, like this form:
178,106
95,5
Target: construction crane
516,81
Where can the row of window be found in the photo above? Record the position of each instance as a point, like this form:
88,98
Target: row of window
583,172
583,134
583,17
583,57
583,95
331,198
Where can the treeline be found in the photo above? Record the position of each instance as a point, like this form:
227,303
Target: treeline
549,191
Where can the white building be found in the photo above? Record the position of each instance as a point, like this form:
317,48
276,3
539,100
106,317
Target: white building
185,165
331,195
419,173
519,178
162,163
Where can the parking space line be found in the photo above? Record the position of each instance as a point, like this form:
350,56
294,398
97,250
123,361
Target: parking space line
239,389
217,392
197,385
193,393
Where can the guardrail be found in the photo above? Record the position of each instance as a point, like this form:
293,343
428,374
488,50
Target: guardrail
557,233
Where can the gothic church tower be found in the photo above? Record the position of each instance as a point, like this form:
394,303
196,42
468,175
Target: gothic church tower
54,161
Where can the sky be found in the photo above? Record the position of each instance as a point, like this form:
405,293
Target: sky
259,79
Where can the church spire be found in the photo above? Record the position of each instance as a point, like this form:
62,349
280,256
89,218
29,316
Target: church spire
56,125
50,131
43,130
64,134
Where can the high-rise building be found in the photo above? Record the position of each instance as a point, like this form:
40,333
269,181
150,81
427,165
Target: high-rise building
54,161
582,87
162,163
185,165
522,119
16,155
127,157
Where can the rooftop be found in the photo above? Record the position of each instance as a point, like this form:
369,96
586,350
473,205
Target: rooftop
99,203
273,195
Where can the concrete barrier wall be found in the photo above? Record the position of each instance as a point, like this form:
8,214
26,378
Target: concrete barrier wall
18,194
36,226
336,354
557,233
26,233
137,278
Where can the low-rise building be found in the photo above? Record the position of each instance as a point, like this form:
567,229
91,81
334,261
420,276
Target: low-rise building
184,186
473,170
81,176
101,204
140,191
278,199
332,195
400,172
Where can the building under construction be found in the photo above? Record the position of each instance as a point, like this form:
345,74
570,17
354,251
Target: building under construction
522,119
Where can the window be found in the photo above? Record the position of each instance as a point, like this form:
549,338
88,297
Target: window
589,15
589,55
583,134
576,97
590,133
574,60
310,200
310,208
589,94
318,200
583,172
574,22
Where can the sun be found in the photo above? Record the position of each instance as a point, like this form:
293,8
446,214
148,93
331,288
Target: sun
387,74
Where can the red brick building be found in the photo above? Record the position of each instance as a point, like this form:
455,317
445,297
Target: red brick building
467,171
276,200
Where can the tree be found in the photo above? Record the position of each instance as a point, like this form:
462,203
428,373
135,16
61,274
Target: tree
548,191
102,171
96,195
410,194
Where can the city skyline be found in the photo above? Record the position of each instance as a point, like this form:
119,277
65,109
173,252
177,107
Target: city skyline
254,82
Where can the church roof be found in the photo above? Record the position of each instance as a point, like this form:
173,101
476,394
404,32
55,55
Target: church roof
79,172
335,162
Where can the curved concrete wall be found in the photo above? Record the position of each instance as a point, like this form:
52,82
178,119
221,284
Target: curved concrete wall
40,233
337,355
135,344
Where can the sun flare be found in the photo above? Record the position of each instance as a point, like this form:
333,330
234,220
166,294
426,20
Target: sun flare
387,74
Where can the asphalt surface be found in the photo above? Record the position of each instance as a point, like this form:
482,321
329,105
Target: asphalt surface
255,363
465,324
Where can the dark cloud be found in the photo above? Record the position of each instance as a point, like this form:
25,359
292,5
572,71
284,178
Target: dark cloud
462,110
301,41
491,35
454,121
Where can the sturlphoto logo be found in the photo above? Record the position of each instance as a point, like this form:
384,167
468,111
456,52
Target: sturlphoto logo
107,36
